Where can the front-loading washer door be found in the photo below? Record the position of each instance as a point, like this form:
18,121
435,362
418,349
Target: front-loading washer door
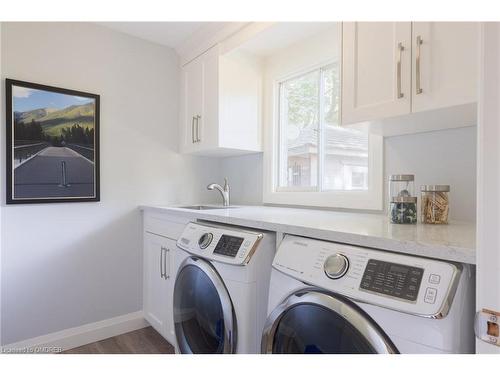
312,321
204,318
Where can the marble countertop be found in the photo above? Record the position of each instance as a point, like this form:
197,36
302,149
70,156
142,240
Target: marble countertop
453,242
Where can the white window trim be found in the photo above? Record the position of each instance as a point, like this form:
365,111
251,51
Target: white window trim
371,199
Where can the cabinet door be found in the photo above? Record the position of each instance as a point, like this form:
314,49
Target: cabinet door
445,64
158,294
192,100
208,120
376,70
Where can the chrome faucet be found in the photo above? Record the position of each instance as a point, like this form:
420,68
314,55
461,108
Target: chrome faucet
223,190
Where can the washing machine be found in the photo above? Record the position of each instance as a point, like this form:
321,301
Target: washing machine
333,298
221,288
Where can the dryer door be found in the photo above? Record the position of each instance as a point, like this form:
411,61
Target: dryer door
204,317
314,321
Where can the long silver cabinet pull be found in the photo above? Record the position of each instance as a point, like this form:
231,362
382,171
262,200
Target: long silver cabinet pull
161,262
165,274
192,129
198,139
418,86
401,48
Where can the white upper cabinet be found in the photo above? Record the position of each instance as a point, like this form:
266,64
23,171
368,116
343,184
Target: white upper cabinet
193,99
444,64
396,68
376,63
220,105
392,75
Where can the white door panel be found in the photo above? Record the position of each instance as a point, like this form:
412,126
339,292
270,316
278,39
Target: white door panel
488,220
208,126
376,76
157,303
192,75
445,64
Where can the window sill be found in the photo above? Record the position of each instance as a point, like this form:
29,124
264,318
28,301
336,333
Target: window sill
358,200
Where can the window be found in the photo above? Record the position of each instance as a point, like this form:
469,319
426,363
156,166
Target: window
312,160
315,153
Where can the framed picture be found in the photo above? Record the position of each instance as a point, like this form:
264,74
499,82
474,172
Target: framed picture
52,144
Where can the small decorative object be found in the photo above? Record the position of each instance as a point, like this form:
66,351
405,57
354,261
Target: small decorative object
435,204
52,144
402,202
403,210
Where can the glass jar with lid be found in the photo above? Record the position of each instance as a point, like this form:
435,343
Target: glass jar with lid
402,199
435,204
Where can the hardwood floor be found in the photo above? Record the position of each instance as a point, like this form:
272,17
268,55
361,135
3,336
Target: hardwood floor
142,341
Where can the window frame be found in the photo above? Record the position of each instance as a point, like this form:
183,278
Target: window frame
273,193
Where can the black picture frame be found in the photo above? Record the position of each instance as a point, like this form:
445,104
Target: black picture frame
53,197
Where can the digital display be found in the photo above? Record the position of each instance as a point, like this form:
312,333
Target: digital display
228,245
398,269
395,280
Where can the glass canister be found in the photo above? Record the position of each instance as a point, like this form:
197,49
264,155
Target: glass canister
402,200
403,210
435,204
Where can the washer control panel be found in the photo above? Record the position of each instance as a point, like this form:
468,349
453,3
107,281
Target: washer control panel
228,245
222,244
392,279
406,283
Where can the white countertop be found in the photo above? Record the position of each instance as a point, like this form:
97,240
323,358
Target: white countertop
453,242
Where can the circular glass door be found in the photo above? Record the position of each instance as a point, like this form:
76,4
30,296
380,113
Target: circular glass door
203,312
312,322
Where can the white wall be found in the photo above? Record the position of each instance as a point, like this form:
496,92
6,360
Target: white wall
64,265
440,157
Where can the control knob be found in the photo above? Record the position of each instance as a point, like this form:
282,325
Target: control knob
336,266
205,240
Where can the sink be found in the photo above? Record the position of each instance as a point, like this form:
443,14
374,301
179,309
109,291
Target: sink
201,207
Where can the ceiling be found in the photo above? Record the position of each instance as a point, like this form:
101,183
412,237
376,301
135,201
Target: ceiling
282,34
170,34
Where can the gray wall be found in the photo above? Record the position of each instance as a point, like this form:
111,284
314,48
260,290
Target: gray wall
440,157
445,157
64,265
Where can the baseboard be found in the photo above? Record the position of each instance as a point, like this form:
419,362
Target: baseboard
74,337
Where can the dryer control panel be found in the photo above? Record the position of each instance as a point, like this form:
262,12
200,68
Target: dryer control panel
415,285
226,245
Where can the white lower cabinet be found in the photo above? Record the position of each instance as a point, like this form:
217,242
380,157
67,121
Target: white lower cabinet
158,284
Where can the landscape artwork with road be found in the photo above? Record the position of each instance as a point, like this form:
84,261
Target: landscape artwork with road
53,139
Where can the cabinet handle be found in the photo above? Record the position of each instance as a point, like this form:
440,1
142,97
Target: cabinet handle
165,268
198,139
417,66
192,130
401,48
161,262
